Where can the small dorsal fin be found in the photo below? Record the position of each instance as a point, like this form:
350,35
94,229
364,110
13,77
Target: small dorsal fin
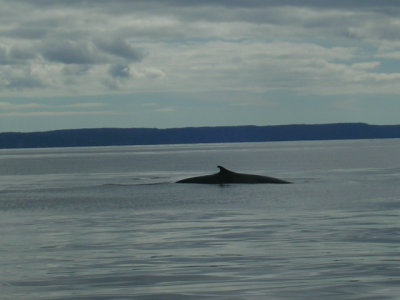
222,170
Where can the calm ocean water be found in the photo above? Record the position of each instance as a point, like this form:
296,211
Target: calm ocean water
109,222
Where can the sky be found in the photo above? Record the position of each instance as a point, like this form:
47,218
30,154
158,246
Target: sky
177,63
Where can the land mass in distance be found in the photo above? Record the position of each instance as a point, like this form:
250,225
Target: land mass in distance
192,135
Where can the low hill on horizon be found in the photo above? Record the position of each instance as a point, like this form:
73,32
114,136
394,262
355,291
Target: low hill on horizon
192,135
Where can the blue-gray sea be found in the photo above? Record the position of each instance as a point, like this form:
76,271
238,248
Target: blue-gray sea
110,223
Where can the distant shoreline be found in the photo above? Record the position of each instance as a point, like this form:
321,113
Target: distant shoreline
195,135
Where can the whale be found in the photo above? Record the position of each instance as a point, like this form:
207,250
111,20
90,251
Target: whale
225,176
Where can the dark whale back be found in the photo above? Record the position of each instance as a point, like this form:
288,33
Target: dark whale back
225,176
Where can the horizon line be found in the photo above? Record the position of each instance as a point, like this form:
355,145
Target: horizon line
192,127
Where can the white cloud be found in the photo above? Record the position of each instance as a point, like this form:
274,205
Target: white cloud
366,65
85,105
166,110
70,47
149,104
14,106
58,114
390,55
346,104
9,106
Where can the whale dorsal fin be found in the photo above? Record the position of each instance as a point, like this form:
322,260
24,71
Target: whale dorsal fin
222,170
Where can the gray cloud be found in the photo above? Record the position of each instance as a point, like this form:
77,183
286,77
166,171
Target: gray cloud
75,70
235,3
19,53
23,83
121,48
15,55
3,57
26,33
86,52
330,17
70,52
74,44
119,71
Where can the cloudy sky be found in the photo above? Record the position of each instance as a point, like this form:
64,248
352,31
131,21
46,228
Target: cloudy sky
177,63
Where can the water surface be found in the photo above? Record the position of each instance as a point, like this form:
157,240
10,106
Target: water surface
109,222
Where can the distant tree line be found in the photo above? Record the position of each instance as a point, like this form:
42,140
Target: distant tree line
191,135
